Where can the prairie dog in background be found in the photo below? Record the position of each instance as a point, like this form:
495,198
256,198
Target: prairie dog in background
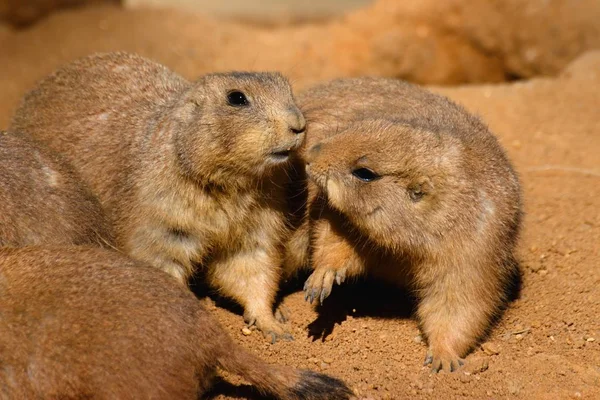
82,322
43,199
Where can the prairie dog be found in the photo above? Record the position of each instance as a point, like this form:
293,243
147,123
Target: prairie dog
189,173
81,322
408,186
43,199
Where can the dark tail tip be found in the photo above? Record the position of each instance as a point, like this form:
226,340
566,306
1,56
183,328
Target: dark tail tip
315,386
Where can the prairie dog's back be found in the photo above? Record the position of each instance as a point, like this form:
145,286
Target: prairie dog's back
43,199
84,321
96,102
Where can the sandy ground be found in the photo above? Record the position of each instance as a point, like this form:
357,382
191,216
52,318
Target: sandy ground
547,346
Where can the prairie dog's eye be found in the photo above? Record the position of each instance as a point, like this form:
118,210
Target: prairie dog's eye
365,174
237,99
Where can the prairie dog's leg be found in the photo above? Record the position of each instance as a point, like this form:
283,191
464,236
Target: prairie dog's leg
334,258
455,308
251,275
297,250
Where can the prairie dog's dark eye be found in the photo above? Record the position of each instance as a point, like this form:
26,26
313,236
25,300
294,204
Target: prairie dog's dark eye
237,99
365,174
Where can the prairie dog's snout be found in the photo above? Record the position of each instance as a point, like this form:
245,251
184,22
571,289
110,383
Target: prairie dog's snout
296,121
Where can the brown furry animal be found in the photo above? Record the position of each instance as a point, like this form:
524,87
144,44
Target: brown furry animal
90,323
189,173
409,187
43,200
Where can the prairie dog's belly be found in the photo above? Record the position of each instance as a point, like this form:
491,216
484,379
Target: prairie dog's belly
191,228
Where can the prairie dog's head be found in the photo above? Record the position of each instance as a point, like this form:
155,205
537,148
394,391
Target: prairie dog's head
401,185
238,125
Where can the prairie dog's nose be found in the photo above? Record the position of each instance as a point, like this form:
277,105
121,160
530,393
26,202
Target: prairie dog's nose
297,122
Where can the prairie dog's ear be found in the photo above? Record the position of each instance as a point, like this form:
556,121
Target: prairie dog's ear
420,188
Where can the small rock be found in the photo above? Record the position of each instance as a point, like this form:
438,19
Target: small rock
490,348
476,365
590,339
418,339
246,331
327,360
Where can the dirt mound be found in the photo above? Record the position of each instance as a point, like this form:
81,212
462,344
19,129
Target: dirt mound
24,12
427,42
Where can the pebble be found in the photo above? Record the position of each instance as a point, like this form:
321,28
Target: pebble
476,365
590,339
418,339
246,331
490,348
327,360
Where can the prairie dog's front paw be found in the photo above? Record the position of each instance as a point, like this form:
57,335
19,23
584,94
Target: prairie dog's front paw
443,362
320,283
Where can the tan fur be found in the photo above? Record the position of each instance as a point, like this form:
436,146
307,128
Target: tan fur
442,218
186,178
43,200
90,323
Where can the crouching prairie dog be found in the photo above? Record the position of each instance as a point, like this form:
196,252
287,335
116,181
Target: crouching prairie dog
43,199
82,322
189,173
407,186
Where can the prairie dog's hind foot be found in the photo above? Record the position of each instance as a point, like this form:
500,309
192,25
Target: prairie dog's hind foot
269,326
443,362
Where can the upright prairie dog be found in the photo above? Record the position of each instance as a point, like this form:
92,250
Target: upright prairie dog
189,173
409,187
43,199
81,322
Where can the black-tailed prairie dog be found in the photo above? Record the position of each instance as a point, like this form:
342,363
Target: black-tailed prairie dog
43,199
409,187
81,322
189,173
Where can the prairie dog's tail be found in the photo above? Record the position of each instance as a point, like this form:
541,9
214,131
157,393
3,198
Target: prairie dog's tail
284,383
